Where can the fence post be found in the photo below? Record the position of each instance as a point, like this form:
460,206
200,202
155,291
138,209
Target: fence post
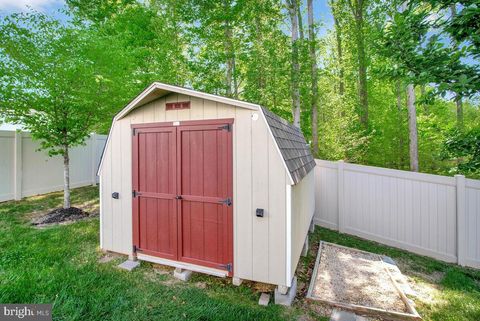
17,166
341,200
93,143
461,220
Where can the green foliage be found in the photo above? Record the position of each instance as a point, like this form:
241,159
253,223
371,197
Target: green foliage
243,49
463,150
54,78
464,25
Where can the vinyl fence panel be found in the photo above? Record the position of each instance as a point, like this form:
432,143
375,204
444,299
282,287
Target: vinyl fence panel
326,194
472,222
413,211
7,140
26,171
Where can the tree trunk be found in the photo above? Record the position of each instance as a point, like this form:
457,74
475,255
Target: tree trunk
412,128
458,97
401,143
258,41
357,8
66,178
338,38
300,20
235,79
229,62
459,104
292,8
362,68
314,72
230,56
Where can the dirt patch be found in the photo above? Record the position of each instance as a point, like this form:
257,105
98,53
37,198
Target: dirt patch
262,287
351,276
61,215
201,285
108,257
304,272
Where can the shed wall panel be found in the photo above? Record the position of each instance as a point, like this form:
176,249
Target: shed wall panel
259,194
276,215
126,183
106,203
303,209
242,212
259,180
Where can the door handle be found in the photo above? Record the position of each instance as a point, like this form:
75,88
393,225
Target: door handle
179,197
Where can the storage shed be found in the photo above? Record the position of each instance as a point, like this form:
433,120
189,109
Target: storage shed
208,184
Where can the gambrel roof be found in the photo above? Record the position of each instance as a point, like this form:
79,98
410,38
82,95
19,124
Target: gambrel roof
293,147
291,144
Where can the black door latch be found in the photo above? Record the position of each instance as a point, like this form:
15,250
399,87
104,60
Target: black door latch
226,201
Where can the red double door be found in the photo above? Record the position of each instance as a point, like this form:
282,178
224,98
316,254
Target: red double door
182,198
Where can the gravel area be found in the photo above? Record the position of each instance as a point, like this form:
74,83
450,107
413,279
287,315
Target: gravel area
354,277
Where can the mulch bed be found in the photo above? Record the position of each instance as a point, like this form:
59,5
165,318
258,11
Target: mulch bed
61,215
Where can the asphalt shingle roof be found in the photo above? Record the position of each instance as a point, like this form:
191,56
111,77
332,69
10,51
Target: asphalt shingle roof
292,144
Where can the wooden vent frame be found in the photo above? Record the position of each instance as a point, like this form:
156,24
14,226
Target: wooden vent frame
177,105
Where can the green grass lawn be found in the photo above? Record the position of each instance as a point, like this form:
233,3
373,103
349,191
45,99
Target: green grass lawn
60,265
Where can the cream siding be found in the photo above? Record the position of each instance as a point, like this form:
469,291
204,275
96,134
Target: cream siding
259,180
303,209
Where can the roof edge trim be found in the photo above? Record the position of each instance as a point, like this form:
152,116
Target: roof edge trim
186,91
181,90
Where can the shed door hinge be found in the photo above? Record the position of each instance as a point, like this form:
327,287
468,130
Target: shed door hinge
226,201
227,127
135,193
134,131
227,267
136,249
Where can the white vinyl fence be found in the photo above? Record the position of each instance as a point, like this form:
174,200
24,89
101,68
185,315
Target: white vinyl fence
436,216
25,171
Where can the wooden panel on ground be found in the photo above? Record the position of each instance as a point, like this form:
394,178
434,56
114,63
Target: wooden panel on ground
357,281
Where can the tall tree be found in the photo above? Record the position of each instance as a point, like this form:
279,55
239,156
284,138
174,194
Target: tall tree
52,82
314,75
339,46
293,12
401,143
358,8
403,37
264,59
230,77
412,128
458,97
300,20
